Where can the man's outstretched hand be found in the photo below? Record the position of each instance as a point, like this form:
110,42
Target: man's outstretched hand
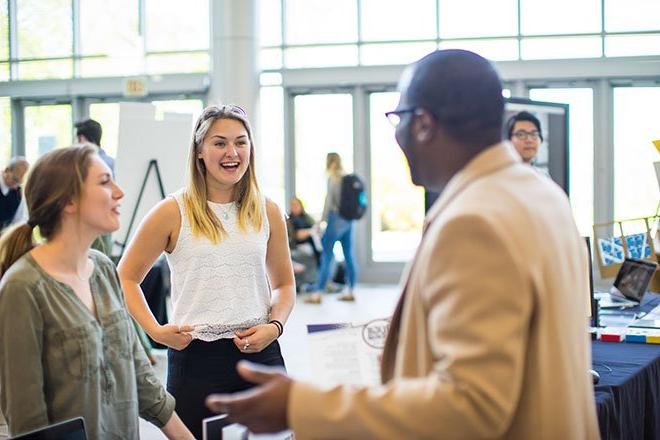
262,408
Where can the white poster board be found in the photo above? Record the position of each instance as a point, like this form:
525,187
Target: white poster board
143,138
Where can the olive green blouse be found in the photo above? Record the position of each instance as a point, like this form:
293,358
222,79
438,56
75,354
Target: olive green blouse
59,361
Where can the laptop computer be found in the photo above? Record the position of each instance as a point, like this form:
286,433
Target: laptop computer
630,284
73,429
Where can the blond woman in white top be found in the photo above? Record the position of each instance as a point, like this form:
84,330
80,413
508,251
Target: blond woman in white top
232,282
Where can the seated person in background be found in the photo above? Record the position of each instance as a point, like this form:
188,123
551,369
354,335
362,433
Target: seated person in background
12,204
303,242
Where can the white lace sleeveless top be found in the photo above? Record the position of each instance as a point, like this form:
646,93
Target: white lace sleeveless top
220,288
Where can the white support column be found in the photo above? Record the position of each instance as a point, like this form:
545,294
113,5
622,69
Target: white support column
603,152
233,50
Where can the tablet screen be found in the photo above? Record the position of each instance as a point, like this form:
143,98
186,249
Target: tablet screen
73,429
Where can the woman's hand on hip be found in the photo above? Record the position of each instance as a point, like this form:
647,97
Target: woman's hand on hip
256,338
174,336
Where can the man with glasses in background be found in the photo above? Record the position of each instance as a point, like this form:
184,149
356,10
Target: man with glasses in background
524,132
12,204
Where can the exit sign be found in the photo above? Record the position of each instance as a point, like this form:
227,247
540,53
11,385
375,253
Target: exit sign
135,87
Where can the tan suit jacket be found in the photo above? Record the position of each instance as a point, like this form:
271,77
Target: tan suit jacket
490,337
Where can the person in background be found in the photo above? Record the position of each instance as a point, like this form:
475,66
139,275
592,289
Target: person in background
337,229
90,131
303,242
12,202
232,282
67,346
488,339
524,132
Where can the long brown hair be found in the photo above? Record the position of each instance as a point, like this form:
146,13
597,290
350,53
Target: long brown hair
203,221
55,180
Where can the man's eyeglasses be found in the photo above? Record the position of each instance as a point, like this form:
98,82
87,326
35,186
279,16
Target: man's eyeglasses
395,115
523,135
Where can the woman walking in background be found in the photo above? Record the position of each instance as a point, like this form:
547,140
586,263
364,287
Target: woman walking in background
67,346
232,281
337,229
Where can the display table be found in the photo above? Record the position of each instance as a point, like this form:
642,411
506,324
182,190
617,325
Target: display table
628,393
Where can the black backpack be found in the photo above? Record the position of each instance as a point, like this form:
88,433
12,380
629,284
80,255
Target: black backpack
353,199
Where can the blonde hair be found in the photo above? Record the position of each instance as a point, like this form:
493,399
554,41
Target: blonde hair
333,165
203,221
67,167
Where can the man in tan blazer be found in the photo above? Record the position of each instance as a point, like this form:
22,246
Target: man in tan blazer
489,338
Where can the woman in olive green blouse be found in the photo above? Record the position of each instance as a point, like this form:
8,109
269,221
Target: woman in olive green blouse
67,346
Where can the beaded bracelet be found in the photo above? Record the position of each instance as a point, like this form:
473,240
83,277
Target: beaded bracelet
278,324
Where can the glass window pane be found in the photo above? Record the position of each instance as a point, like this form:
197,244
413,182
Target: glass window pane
632,15
269,13
58,69
394,53
635,126
5,130
387,20
172,25
325,56
44,28
47,127
478,18
121,66
192,107
541,17
178,63
397,206
315,138
560,47
321,21
270,144
107,114
4,31
270,59
632,45
4,71
109,28
581,149
494,50
270,79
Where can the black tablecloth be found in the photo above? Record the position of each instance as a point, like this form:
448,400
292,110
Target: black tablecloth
628,394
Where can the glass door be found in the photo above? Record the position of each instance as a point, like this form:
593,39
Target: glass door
397,206
635,128
323,123
47,127
581,149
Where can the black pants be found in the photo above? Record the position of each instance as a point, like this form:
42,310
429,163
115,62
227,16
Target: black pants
204,368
